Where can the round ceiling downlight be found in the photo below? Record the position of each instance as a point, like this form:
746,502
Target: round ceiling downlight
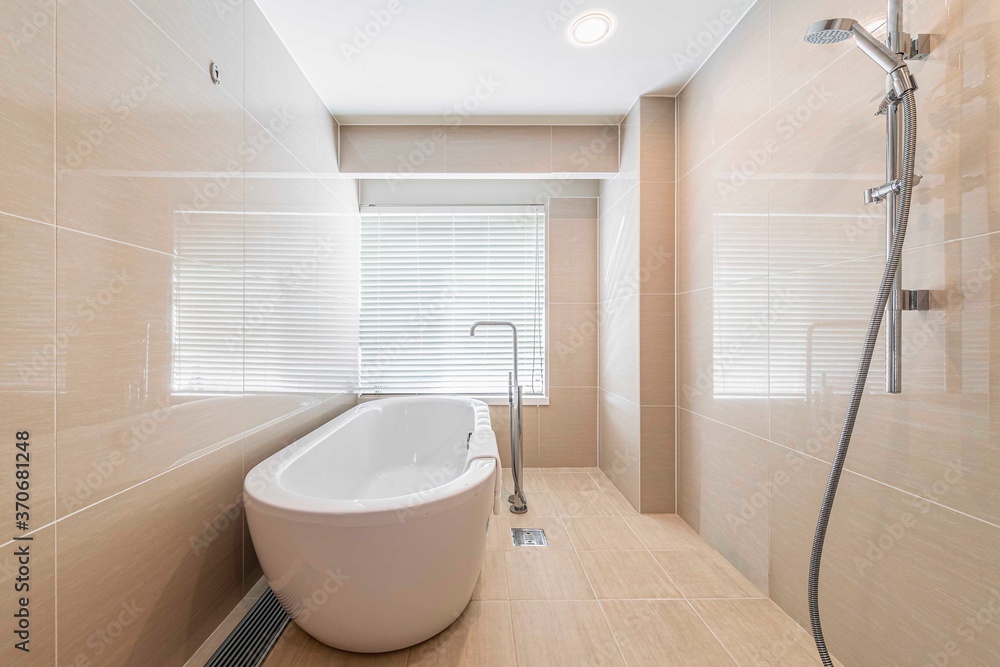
591,28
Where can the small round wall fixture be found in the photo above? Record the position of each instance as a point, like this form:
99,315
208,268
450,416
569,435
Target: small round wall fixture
591,28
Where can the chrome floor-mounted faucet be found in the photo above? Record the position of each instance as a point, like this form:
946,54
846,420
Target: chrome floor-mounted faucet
518,503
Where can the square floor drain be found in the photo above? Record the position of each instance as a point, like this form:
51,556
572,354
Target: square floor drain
528,537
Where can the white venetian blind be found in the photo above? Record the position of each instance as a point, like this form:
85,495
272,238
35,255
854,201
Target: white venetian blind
427,274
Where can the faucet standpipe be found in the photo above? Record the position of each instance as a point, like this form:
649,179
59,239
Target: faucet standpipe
519,504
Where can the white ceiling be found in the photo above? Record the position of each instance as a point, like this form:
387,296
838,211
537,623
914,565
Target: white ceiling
432,55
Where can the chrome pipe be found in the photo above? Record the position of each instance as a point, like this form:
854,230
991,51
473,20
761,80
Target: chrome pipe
519,503
895,37
893,310
499,323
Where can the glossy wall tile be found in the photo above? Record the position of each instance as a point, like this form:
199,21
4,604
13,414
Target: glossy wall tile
778,264
27,88
192,309
637,309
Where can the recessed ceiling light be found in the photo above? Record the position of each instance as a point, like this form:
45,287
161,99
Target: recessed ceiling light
591,28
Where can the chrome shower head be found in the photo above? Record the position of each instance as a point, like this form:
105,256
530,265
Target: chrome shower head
832,31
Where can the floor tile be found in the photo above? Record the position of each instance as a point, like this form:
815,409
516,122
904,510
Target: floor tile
626,574
757,632
660,633
296,648
540,503
536,574
704,573
480,637
665,532
617,499
601,533
495,532
562,634
492,584
640,567
577,494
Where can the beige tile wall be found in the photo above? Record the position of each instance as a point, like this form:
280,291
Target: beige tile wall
778,263
637,377
134,196
564,432
402,150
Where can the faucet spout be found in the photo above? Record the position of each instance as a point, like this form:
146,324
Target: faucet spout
499,323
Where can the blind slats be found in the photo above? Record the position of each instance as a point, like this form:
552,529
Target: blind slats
426,276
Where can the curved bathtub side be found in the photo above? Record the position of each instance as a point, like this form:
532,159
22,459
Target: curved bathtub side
382,586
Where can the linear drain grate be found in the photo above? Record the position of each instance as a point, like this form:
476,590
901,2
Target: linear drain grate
528,537
252,639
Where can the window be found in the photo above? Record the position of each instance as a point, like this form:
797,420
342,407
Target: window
427,274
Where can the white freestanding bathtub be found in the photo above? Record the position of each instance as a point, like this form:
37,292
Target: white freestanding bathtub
371,530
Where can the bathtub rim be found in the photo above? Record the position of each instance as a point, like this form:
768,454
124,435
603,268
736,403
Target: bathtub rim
263,492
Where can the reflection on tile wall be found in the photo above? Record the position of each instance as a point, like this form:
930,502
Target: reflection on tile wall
637,378
778,263
564,432
178,285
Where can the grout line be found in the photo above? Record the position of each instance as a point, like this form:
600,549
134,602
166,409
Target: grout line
600,606
685,597
242,105
724,647
717,47
622,196
633,403
771,107
846,470
55,325
889,486
236,440
510,603
14,216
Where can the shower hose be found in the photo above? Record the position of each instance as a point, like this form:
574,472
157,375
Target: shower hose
884,291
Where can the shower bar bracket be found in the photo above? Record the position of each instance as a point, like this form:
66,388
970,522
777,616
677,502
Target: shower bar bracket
915,47
915,299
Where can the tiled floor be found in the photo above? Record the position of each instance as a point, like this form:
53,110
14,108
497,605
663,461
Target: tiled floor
612,588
